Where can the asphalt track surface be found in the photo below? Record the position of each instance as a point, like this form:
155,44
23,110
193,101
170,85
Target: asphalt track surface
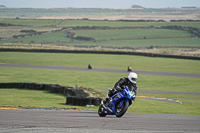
175,74
51,121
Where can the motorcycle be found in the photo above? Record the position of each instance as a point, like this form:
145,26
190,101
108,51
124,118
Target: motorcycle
118,103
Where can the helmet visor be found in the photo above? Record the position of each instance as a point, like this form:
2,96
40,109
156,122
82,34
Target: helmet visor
134,79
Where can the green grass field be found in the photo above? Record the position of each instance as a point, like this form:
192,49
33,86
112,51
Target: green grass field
7,32
91,23
120,37
96,80
74,23
43,99
131,33
102,61
56,37
144,42
31,22
115,38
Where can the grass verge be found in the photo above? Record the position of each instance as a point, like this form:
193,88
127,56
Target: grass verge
44,99
96,80
102,61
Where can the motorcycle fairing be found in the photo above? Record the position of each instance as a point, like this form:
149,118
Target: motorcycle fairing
120,96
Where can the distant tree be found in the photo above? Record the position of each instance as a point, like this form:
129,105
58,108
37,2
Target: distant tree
85,18
2,6
15,36
136,6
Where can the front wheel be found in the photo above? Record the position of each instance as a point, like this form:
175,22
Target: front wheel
120,111
101,111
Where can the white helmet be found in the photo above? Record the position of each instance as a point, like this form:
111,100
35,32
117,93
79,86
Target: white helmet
133,77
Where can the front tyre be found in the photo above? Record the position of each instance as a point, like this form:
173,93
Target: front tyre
120,111
101,111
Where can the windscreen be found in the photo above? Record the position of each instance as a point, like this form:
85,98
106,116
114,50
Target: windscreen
130,87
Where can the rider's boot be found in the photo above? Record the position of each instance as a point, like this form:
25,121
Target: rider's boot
103,102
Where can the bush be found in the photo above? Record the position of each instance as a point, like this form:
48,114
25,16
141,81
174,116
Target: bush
28,31
85,38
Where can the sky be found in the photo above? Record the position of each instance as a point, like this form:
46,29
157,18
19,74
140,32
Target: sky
98,3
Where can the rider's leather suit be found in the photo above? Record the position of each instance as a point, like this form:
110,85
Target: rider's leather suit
119,86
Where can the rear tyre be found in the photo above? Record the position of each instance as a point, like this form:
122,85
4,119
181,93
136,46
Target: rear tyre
120,111
101,111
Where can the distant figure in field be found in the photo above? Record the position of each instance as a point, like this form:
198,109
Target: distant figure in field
89,66
129,69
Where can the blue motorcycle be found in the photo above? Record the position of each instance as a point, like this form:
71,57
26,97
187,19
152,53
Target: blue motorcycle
118,103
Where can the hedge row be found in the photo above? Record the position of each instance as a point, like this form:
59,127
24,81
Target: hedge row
192,30
75,96
100,52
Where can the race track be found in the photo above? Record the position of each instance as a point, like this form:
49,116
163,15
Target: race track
23,120
175,74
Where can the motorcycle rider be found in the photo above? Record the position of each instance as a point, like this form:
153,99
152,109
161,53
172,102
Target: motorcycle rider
130,82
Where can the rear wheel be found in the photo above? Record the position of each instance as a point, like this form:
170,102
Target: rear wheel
101,111
120,111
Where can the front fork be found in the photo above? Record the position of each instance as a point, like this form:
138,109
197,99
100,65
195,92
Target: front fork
103,104
121,103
